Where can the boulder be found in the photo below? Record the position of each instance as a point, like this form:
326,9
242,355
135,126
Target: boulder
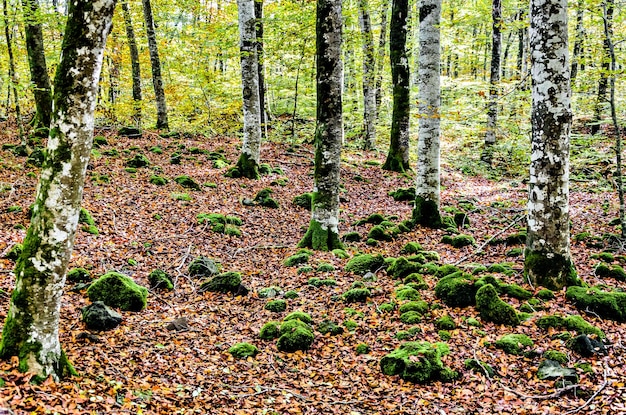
98,316
119,291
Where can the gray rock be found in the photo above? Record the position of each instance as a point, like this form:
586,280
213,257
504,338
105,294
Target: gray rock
552,370
98,316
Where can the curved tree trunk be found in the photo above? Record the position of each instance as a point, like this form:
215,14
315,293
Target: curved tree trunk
427,198
547,256
37,63
398,155
155,61
369,77
494,80
323,232
31,330
134,61
248,163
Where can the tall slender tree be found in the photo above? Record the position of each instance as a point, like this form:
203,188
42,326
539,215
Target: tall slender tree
369,76
134,61
258,14
579,40
155,62
494,80
382,46
605,68
248,163
12,74
323,232
398,155
31,330
548,260
427,196
37,63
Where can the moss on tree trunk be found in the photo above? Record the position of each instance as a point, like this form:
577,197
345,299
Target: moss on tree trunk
320,238
550,270
248,167
426,213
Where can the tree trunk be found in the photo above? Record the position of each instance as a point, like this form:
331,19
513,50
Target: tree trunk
37,63
258,13
579,40
134,61
369,77
155,61
494,80
323,232
31,330
547,256
382,45
427,200
248,163
398,156
522,38
12,77
603,83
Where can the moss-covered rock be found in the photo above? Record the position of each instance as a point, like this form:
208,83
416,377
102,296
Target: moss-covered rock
411,317
459,241
299,315
552,370
301,257
158,180
386,307
514,344
304,200
138,161
203,267
445,270
276,306
456,290
270,330
291,294
298,338
78,275
356,295
317,282
556,356
571,322
492,308
243,350
264,199
610,271
119,291
607,304
403,194
325,267
362,348
586,346
445,323
187,182
418,306
416,280
352,237
329,326
226,282
411,248
545,294
160,279
269,292
364,263
98,316
418,362
407,293
512,290
402,267
379,233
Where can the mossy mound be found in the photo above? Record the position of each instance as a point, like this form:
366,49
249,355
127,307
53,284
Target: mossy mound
607,304
356,295
160,279
98,316
556,356
118,291
403,194
270,292
325,267
187,182
445,270
226,282
317,282
610,271
78,275
511,290
351,237
407,293
243,350
411,317
445,323
418,362
299,315
501,269
411,248
402,267
158,180
419,306
276,306
374,218
456,290
364,263
492,308
291,294
138,161
295,334
329,326
263,198
514,344
362,348
130,132
416,280
572,322
458,241
479,366
270,330
304,200
301,257
203,267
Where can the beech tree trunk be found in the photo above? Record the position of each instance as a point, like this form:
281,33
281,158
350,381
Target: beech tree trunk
31,330
494,80
547,256
382,45
12,78
37,63
579,41
369,76
323,232
398,155
134,61
603,83
155,61
258,14
427,198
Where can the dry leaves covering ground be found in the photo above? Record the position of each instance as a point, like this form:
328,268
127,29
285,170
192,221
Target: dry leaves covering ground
141,367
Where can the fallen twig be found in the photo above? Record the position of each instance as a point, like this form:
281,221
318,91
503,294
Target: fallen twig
596,393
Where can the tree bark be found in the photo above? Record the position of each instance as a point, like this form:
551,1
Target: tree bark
398,155
258,13
382,45
494,80
248,163
547,256
31,330
579,40
427,198
12,77
155,61
37,63
603,83
369,77
134,61
323,232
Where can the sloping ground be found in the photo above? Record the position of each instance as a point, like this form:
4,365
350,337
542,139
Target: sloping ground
142,367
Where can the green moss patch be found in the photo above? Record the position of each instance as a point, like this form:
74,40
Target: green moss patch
514,344
401,267
330,327
187,182
492,308
263,198
138,161
301,257
118,291
418,362
571,322
456,290
243,350
158,180
356,295
270,330
276,306
160,279
610,271
607,304
459,241
304,200
364,263
226,282
203,267
445,323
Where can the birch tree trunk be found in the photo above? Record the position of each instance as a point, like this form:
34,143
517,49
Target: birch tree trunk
494,80
31,330
37,64
398,155
155,62
323,232
248,163
134,61
547,256
427,199
369,76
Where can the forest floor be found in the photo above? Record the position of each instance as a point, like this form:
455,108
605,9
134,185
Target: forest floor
142,367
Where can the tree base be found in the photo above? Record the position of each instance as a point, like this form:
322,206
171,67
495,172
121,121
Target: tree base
426,213
246,167
320,239
552,271
394,162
